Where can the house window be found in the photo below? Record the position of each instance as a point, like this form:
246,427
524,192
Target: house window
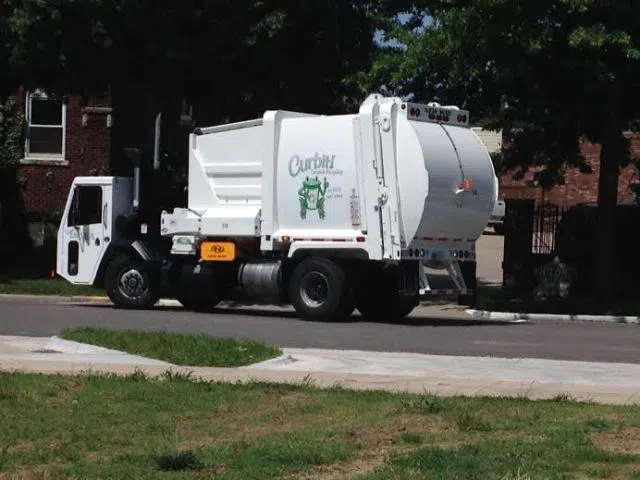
45,136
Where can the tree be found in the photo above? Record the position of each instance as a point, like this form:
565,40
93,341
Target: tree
232,60
547,72
13,228
245,54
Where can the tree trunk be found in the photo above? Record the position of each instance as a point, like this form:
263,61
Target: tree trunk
606,268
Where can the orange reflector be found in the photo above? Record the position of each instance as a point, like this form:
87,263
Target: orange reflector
218,251
468,184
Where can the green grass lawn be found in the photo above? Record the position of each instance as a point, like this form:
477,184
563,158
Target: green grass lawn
45,286
92,427
177,348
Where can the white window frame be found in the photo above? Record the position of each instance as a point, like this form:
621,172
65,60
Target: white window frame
43,158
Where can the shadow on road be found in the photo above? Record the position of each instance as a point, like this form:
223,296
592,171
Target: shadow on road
412,321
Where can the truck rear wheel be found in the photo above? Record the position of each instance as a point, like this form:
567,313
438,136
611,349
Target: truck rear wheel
386,307
319,290
131,283
197,303
196,287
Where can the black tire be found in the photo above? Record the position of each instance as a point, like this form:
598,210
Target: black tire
131,283
198,303
498,228
320,291
197,293
389,307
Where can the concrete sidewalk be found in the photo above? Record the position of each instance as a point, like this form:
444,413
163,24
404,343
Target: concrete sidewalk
442,375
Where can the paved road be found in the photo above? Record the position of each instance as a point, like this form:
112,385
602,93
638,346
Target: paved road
591,342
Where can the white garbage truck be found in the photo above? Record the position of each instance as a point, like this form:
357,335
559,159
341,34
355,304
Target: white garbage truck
327,213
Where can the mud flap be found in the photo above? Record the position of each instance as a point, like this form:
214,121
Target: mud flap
468,270
409,278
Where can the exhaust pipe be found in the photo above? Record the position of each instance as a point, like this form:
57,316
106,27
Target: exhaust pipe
134,155
156,144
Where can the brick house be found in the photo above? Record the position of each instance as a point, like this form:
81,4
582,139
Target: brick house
64,138
578,188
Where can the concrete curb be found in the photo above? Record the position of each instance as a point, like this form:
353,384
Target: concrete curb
551,317
49,298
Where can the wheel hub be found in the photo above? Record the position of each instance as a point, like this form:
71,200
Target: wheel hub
132,283
314,289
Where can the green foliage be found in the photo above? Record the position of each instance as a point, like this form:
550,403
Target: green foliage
243,57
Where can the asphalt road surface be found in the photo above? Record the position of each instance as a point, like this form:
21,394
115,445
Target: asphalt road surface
589,342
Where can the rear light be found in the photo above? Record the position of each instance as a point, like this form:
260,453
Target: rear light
360,239
403,106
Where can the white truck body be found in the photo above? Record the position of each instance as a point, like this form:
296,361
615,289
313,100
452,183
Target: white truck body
383,181
350,208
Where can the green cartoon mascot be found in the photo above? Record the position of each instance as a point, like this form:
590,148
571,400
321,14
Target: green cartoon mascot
311,196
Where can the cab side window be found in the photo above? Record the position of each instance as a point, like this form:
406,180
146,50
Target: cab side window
86,207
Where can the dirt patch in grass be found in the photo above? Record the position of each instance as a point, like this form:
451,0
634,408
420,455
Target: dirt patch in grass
624,440
29,474
20,448
389,433
360,466
602,470
239,422
376,445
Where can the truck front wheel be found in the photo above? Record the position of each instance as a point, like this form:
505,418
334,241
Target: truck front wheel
131,283
319,290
